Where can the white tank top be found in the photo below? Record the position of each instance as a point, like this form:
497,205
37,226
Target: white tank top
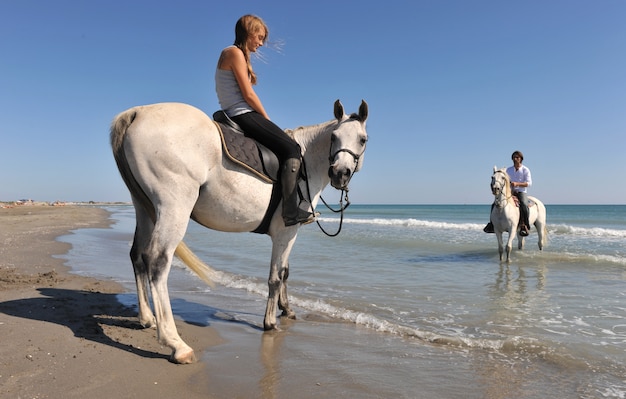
229,94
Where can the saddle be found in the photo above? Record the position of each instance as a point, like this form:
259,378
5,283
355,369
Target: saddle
531,203
254,157
245,151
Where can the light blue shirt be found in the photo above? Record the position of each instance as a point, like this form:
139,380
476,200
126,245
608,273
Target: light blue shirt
521,175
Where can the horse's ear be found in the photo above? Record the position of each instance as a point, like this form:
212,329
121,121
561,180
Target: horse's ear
339,110
363,111
495,168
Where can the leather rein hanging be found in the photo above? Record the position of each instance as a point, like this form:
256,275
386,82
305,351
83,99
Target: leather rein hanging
344,191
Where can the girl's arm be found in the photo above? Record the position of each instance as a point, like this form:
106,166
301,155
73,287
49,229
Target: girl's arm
235,61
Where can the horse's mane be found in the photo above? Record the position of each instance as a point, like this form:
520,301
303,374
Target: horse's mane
305,134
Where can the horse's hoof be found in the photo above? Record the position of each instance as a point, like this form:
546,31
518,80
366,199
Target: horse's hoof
184,358
270,327
150,323
289,314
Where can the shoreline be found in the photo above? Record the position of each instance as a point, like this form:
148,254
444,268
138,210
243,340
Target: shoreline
66,335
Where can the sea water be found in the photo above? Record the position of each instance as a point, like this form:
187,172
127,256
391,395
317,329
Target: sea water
412,301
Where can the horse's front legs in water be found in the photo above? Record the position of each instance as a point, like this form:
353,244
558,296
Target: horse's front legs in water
502,248
277,297
273,283
500,244
279,272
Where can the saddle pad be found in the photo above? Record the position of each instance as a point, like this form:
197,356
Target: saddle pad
243,151
531,203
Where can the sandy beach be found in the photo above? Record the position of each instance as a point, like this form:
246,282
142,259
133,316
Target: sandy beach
66,336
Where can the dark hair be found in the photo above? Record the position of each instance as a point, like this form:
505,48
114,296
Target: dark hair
518,154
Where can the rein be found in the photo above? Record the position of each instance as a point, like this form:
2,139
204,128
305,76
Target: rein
341,209
344,191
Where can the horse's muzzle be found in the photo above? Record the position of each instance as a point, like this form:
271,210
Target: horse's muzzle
339,179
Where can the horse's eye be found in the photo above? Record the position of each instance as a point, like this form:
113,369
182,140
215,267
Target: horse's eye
363,140
333,138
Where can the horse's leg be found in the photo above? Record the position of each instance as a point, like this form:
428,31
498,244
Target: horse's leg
520,242
143,231
540,225
169,230
279,269
509,243
283,299
500,243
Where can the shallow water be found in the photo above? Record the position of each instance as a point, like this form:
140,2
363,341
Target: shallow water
411,301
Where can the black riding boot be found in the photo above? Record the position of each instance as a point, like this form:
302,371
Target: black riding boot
523,220
489,227
292,214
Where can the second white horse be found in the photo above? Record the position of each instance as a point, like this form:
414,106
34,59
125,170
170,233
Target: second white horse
505,214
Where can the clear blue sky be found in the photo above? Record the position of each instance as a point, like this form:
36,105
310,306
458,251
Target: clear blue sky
454,87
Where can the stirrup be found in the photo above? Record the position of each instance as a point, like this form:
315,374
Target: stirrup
489,228
303,217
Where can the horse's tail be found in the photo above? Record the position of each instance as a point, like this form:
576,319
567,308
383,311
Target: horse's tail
202,270
119,126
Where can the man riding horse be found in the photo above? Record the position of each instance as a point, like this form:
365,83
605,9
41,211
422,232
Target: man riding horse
520,181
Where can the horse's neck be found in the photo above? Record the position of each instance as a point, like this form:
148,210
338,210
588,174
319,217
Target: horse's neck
315,143
312,136
508,193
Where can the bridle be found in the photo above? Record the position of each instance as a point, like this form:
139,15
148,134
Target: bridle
344,190
355,157
499,191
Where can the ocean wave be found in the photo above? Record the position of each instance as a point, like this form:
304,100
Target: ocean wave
324,309
586,231
586,258
510,346
501,344
410,223
557,229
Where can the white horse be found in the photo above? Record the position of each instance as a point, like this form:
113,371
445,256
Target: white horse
170,157
505,214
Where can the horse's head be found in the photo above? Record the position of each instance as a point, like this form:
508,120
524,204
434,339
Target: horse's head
500,184
347,145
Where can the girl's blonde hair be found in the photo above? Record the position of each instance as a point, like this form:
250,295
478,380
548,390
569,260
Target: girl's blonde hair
249,25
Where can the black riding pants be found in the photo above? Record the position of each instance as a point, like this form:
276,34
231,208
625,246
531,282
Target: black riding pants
267,133
523,206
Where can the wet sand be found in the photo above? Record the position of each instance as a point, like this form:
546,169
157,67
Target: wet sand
67,336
